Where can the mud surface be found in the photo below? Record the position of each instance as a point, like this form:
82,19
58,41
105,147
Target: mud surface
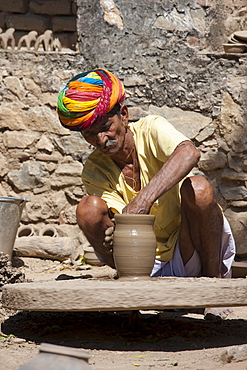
8,273
120,340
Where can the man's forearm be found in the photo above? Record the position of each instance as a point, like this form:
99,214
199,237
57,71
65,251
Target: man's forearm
180,163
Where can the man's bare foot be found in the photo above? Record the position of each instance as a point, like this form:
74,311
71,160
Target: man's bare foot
216,313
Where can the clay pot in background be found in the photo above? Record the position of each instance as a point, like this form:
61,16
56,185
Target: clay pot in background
235,48
134,245
24,231
89,255
48,231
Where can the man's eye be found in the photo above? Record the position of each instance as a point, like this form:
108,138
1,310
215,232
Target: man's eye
106,125
87,134
106,128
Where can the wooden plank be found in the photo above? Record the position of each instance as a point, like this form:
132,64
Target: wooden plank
118,295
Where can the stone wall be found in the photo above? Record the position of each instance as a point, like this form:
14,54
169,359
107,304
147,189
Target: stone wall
39,159
130,32
40,15
170,56
169,69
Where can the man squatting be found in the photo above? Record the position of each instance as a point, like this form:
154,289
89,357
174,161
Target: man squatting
144,168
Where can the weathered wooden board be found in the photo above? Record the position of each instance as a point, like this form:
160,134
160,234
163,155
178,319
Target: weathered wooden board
117,295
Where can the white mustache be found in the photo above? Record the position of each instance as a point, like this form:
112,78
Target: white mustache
110,142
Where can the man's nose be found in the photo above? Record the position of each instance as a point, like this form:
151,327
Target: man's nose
101,138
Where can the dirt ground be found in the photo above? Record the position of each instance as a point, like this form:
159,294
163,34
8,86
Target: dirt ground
158,340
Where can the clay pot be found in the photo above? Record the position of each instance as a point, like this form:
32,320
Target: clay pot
89,255
48,231
134,245
24,231
235,48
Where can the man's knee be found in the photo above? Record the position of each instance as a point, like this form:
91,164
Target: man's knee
90,209
92,201
197,192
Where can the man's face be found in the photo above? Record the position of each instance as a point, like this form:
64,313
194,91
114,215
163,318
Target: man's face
107,135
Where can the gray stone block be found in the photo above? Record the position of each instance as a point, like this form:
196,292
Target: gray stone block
20,6
51,7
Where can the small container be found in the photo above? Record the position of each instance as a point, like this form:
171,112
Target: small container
239,37
89,256
48,231
25,231
242,35
235,48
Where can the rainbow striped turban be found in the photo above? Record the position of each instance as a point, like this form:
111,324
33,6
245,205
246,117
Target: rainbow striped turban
88,97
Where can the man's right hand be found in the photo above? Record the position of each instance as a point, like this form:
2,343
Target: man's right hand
108,241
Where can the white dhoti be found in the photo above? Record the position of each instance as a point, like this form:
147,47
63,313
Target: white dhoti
192,268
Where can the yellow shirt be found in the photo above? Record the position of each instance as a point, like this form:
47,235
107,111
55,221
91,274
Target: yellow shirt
155,139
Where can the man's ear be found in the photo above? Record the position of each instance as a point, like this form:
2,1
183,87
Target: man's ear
124,114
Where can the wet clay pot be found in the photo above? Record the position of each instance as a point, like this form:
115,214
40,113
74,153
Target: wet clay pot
134,245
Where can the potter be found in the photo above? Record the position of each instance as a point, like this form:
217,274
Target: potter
144,168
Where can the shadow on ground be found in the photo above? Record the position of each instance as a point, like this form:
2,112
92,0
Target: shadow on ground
111,330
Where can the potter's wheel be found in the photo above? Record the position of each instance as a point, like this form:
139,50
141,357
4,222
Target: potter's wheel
118,295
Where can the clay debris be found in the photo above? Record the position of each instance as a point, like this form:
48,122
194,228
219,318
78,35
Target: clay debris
9,274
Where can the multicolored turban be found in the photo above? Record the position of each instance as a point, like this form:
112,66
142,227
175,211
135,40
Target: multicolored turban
88,97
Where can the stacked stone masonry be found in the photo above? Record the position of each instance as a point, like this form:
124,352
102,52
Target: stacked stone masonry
41,15
170,54
178,73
